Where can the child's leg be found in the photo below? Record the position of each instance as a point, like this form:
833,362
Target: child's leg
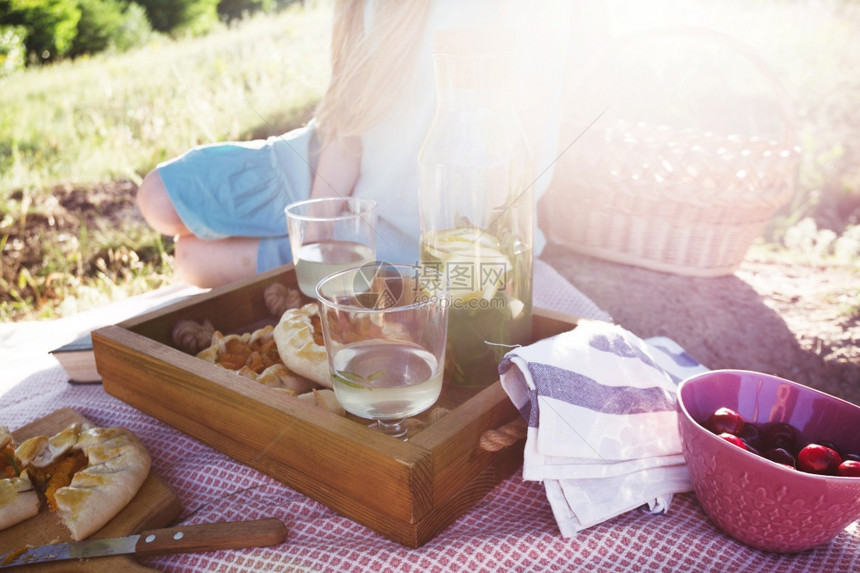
198,262
157,208
214,263
222,201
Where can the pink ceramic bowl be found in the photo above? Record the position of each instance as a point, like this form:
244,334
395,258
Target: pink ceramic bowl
753,499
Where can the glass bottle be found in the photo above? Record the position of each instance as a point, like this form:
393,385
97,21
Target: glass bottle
477,207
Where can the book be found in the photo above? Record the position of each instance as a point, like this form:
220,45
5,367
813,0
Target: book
78,360
77,357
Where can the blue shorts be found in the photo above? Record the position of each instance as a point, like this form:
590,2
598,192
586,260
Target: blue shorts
241,189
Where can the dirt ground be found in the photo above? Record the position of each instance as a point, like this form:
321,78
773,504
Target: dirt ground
795,321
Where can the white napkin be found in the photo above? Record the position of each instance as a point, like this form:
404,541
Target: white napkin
602,429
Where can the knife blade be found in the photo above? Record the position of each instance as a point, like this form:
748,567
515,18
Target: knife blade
180,539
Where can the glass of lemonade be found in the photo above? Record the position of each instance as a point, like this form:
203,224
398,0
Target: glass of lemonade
385,328
328,235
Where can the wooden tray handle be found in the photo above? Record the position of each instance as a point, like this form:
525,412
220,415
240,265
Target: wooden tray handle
507,435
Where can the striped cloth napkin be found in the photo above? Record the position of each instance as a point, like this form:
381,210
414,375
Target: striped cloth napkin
602,429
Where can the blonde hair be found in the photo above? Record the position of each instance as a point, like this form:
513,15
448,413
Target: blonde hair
370,69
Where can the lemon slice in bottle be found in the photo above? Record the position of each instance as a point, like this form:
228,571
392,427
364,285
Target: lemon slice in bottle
473,260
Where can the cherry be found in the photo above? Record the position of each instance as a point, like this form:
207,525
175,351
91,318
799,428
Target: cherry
733,439
818,459
751,435
751,448
781,456
725,420
849,468
779,442
780,435
832,446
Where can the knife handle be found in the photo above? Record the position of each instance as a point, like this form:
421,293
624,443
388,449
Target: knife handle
211,536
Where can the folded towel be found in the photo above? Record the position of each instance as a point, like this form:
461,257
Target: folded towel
602,429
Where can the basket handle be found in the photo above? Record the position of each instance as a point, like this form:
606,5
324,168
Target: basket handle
785,106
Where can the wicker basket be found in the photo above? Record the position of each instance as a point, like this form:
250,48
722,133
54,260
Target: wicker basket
682,201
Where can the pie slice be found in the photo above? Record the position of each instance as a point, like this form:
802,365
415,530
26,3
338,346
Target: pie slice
86,474
299,340
254,355
18,497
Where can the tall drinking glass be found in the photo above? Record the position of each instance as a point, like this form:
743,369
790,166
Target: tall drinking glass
328,235
384,327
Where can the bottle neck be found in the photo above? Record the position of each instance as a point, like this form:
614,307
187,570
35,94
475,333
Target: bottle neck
473,81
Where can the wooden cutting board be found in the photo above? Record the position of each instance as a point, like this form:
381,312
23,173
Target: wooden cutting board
155,505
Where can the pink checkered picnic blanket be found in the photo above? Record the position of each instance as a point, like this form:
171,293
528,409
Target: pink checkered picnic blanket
511,529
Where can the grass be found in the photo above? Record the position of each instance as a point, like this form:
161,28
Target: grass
113,118
69,128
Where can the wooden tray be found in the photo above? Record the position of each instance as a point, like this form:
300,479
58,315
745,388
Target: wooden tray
407,491
155,505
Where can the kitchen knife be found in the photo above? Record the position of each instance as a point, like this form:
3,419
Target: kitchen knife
181,539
